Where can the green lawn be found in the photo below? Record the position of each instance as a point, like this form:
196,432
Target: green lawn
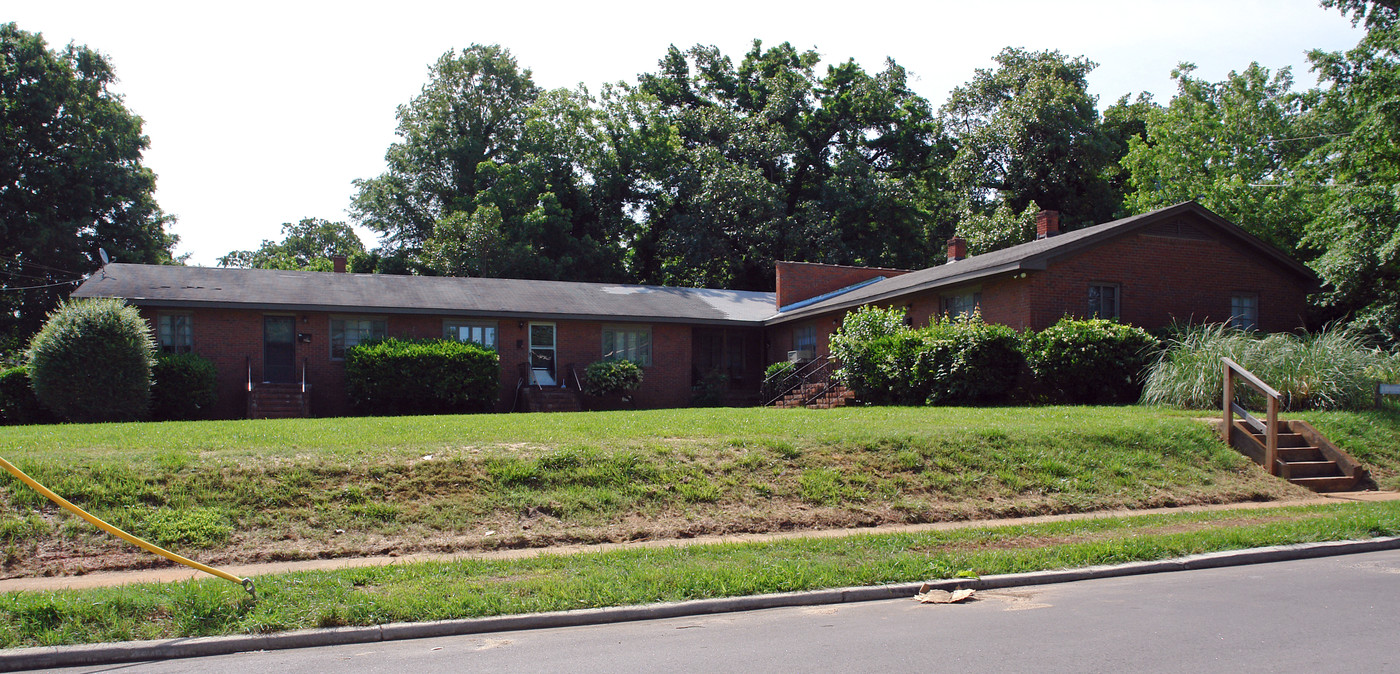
436,591
246,491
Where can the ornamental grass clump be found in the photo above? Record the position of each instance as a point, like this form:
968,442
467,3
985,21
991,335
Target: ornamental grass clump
1331,369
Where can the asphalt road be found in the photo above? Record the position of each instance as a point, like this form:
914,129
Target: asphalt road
1329,614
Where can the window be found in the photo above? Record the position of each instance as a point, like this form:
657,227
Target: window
347,332
805,338
1244,312
174,334
962,305
476,332
1103,301
622,342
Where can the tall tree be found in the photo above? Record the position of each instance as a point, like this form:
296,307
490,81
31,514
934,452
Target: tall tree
71,178
308,244
768,160
1357,174
1232,145
483,144
1028,130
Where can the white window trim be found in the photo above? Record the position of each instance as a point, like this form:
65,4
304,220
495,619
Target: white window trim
474,323
626,327
330,331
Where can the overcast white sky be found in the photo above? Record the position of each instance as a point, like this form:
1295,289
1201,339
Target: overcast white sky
261,113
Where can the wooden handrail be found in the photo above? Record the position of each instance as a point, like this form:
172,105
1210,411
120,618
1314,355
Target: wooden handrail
1229,409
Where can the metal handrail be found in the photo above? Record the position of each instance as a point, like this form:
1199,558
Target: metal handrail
516,402
1229,409
812,370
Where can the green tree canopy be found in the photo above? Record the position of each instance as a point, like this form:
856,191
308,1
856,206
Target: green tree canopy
484,145
1357,175
308,244
1028,130
71,178
1232,145
764,160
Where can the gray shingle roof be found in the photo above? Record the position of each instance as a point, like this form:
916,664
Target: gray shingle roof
163,285
1033,255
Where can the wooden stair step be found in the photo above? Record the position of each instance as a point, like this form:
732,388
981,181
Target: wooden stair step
1342,483
1298,469
1291,454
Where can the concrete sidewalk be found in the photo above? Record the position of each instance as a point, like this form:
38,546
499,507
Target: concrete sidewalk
174,573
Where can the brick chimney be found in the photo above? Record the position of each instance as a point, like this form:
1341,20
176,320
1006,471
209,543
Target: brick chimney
1047,223
338,262
957,249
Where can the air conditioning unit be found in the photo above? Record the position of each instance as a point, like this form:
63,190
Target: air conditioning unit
801,356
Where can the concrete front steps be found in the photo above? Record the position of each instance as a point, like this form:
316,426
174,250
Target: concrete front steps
278,401
1305,457
551,399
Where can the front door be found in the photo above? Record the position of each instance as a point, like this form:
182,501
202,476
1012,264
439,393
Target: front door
279,349
542,370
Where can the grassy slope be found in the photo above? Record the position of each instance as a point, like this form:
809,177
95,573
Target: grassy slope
434,591
256,490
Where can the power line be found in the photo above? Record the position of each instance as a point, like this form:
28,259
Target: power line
50,285
1318,137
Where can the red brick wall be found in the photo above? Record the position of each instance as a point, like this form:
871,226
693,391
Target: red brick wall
232,340
1163,279
799,281
1160,280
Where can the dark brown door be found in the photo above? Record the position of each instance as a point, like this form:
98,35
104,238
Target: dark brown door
279,349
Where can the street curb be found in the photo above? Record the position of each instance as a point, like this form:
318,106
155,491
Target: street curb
139,651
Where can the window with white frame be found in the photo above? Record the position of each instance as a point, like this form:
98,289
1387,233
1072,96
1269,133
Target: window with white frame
1103,300
347,332
963,304
804,338
174,333
627,342
476,332
1244,311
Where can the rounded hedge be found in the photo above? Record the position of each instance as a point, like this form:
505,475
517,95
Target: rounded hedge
607,377
183,386
91,362
436,376
1090,360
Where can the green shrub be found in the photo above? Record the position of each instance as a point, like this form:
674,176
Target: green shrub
952,361
711,390
91,362
183,386
776,379
607,377
1090,360
1330,369
853,347
436,376
18,404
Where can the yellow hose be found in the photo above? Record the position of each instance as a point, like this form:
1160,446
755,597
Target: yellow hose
247,583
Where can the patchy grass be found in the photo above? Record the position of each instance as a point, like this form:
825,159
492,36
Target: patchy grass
466,589
247,491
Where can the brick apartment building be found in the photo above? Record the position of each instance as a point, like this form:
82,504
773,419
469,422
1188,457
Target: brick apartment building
265,328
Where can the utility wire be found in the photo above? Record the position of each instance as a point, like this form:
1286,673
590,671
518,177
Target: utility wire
51,285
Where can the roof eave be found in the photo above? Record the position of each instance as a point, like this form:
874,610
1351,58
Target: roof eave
950,281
